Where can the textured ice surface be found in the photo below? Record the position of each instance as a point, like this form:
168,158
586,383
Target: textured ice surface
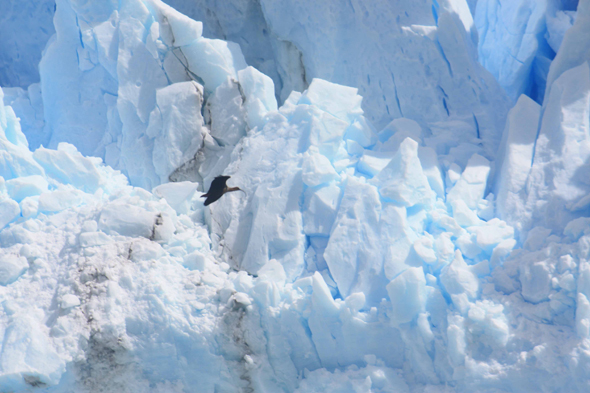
513,44
20,53
437,248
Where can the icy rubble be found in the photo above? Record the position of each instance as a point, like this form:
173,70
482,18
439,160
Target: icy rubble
358,260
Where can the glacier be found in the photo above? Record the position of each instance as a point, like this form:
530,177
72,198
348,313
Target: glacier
416,214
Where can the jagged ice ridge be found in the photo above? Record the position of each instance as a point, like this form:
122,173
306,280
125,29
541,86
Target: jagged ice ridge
428,234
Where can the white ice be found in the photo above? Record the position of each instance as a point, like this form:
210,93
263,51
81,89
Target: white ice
407,230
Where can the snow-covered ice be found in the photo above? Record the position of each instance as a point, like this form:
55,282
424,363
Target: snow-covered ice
415,218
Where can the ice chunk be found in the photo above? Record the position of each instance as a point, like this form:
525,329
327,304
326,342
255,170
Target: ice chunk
11,268
486,207
371,162
472,184
362,132
424,247
536,238
340,101
324,130
456,338
372,378
17,161
317,169
274,271
259,95
320,210
492,233
462,214
176,125
355,301
143,250
22,187
227,113
515,159
68,166
431,168
353,251
576,228
407,293
127,220
69,301
58,200
458,278
28,357
321,296
178,195
274,228
403,180
91,239
29,206
398,255
9,210
176,29
562,152
453,174
214,60
535,278
501,251
583,316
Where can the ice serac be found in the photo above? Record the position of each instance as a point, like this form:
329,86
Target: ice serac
468,191
352,253
123,58
176,126
514,160
558,189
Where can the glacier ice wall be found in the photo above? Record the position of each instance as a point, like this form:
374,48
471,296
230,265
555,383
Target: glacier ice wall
443,251
20,53
439,81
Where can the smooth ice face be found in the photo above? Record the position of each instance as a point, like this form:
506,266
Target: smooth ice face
176,127
514,159
258,94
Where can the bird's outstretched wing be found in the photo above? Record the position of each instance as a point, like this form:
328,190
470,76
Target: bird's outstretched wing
218,183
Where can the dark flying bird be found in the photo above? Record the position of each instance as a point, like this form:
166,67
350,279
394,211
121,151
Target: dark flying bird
217,189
